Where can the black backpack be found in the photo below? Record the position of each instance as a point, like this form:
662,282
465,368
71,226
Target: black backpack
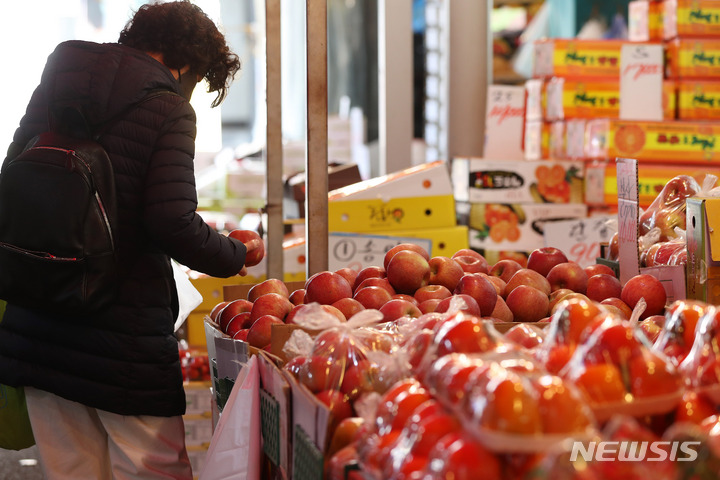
58,219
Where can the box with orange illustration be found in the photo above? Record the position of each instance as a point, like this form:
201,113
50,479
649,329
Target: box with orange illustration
516,226
567,98
692,58
698,100
564,57
601,187
661,142
691,18
543,181
645,20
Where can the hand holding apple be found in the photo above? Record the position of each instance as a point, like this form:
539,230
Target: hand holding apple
253,243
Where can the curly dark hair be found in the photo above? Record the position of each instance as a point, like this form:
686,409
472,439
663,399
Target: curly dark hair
184,35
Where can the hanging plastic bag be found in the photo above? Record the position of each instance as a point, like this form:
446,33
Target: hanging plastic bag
189,298
234,452
15,430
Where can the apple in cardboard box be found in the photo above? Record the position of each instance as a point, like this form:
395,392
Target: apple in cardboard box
407,271
478,264
271,304
529,278
401,247
648,287
602,286
568,275
528,304
505,269
543,259
480,289
326,288
271,285
372,297
259,333
445,271
230,310
371,271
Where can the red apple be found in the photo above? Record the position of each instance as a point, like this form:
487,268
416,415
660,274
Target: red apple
470,305
620,305
527,304
407,298
478,265
271,285
431,291
501,312
471,264
408,271
463,334
338,347
497,282
505,269
216,310
259,334
360,378
241,321
397,308
254,256
377,282
338,404
318,373
349,274
480,289
348,307
429,305
558,295
568,275
596,268
326,288
445,271
271,304
530,278
404,246
297,297
241,335
602,286
372,297
231,309
648,287
543,259
369,272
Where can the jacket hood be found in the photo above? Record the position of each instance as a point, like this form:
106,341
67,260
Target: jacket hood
105,79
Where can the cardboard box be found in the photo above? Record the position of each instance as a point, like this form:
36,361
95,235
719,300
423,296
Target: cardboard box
698,100
577,58
645,22
294,264
579,98
691,18
485,181
652,177
703,243
276,412
400,213
516,227
660,142
697,58
338,176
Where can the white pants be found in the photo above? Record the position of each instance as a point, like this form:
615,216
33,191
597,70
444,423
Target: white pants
76,442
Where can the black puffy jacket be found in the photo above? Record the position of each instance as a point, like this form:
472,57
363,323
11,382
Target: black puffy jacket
124,359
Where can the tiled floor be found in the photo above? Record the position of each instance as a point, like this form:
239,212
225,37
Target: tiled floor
20,465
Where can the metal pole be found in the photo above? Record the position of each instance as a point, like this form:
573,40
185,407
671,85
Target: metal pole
316,160
273,149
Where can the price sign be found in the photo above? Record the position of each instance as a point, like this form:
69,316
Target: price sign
504,122
579,239
641,77
628,210
360,251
